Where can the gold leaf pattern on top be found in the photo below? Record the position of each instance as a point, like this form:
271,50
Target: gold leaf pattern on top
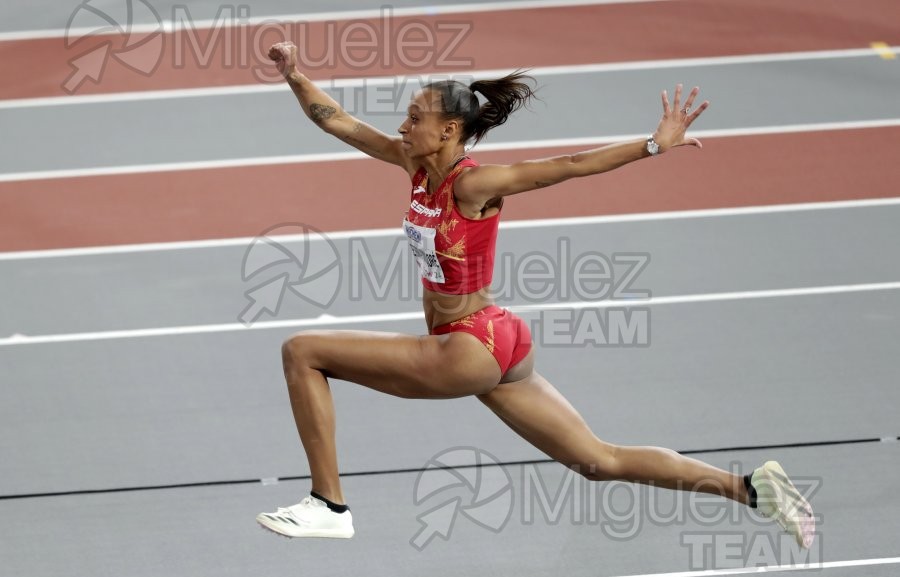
446,227
458,250
449,207
451,257
449,189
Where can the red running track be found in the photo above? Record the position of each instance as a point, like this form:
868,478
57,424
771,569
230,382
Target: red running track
363,194
502,39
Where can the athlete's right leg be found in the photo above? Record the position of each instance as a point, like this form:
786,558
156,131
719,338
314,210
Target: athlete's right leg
430,367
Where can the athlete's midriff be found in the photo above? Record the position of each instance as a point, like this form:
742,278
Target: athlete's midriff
441,309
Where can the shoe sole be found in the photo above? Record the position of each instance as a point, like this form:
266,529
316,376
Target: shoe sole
797,519
285,532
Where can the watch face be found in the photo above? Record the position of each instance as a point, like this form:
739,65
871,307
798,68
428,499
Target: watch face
652,147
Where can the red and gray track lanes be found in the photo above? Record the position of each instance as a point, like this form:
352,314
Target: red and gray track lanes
142,426
598,104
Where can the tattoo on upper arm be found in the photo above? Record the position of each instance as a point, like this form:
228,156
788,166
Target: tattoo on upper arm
320,112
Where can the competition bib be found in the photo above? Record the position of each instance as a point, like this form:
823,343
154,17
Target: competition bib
421,242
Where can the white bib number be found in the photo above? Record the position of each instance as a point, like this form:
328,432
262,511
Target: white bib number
421,242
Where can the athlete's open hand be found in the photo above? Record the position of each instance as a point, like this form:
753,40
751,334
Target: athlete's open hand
676,119
284,54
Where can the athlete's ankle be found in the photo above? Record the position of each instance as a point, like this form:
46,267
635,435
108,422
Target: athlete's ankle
751,492
336,507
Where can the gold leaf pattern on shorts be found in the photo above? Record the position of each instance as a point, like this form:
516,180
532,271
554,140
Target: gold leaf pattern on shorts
467,322
489,342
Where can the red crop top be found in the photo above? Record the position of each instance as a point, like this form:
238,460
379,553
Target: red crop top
454,254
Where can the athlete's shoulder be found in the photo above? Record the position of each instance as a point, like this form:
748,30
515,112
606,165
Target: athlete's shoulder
464,167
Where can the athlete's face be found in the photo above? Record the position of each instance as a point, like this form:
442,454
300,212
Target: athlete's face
423,129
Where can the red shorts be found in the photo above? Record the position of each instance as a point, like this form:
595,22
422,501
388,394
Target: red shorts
505,335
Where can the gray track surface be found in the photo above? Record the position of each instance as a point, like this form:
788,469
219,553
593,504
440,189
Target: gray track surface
214,407
686,256
209,531
211,409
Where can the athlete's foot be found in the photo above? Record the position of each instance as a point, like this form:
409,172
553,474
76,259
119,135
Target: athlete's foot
310,517
778,499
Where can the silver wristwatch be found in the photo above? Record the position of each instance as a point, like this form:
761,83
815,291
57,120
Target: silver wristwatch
652,147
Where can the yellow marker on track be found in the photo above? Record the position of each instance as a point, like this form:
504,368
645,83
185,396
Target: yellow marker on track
883,50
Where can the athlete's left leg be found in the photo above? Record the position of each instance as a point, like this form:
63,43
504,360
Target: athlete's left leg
539,413
534,409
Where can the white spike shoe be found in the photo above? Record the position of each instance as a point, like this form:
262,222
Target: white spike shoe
778,499
310,517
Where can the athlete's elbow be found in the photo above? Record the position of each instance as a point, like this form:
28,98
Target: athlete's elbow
328,127
340,126
576,166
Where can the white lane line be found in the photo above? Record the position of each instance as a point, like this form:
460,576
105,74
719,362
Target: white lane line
324,320
168,25
512,225
487,147
713,297
342,83
777,568
328,320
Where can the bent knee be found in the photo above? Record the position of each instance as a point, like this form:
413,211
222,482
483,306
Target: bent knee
299,348
605,466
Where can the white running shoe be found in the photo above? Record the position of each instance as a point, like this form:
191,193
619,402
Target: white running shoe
310,517
778,499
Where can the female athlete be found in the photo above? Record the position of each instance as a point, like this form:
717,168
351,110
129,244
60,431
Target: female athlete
481,349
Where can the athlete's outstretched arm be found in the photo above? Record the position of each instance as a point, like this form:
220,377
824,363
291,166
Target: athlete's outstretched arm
483,183
330,116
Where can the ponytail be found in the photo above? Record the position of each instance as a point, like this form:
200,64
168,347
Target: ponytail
504,96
